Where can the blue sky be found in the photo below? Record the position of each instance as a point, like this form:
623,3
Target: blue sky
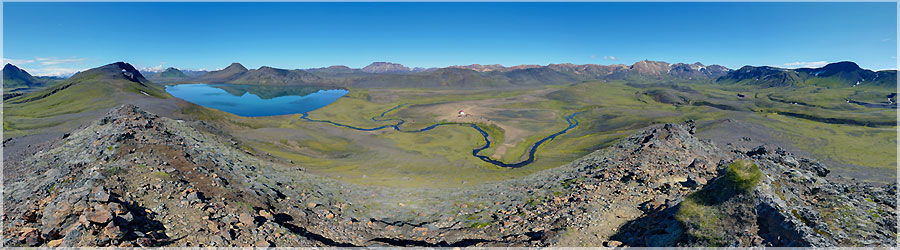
61,38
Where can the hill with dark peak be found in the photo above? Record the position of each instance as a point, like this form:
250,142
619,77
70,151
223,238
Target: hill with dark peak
169,75
172,73
14,77
93,89
764,76
386,68
834,75
232,72
113,71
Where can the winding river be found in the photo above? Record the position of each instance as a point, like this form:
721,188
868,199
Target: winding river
254,100
531,150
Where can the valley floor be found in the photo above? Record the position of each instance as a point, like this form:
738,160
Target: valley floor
517,119
194,176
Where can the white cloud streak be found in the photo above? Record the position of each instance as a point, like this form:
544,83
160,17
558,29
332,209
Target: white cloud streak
54,61
52,71
16,62
815,64
48,66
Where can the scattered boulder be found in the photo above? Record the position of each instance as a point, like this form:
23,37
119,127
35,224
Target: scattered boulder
113,232
263,243
246,219
266,214
100,214
99,194
761,150
612,243
194,197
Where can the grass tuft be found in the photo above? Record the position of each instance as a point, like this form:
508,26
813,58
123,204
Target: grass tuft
700,211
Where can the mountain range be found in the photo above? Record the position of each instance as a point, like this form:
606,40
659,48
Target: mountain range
834,75
238,74
385,74
172,74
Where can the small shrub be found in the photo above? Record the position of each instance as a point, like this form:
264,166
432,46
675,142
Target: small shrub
113,170
162,175
743,175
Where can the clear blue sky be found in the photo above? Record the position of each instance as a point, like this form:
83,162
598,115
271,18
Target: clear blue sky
50,38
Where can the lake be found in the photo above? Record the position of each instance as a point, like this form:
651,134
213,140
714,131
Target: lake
254,100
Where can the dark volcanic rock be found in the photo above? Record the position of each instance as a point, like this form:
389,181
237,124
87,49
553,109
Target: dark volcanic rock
99,214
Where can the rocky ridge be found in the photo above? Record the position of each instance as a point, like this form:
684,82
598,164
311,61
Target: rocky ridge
136,179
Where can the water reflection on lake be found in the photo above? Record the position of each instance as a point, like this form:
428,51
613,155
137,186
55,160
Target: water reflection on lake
254,100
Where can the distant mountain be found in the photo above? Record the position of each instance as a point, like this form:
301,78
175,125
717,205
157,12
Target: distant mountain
169,75
238,74
652,68
495,75
643,70
193,73
697,71
172,73
14,77
481,68
337,72
438,78
271,76
385,74
334,69
764,76
537,76
834,75
232,72
421,69
386,68
494,67
590,71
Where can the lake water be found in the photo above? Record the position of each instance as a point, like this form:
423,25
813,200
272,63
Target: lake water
253,100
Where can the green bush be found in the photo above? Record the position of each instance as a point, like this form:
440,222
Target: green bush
743,175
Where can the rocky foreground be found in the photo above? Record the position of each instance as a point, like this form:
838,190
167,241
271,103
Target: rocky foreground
136,179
